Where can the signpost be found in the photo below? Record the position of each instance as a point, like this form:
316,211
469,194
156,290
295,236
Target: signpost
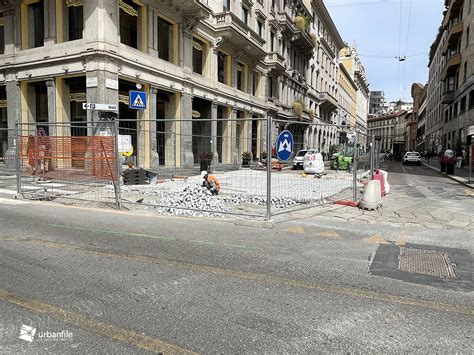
285,145
137,100
99,107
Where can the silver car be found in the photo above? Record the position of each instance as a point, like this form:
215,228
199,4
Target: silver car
411,157
298,160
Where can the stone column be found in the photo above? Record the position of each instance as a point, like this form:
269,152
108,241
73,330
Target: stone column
154,159
187,50
186,130
152,31
234,143
13,116
103,90
214,64
249,132
9,33
49,22
102,21
234,72
215,159
51,94
250,70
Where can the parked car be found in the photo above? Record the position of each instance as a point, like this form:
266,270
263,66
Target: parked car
412,157
298,160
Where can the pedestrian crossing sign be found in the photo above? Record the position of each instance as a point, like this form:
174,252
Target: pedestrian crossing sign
137,100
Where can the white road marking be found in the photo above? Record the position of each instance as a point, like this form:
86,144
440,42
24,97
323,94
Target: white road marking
8,191
8,201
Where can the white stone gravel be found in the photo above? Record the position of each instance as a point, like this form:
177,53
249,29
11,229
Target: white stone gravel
239,188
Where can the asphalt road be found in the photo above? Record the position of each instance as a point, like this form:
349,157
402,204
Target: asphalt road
125,283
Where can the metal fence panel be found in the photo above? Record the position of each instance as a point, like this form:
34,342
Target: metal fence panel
177,151
54,164
293,188
7,160
156,165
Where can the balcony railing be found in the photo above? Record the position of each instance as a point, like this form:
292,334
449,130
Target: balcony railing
277,60
454,29
229,20
454,60
327,98
448,97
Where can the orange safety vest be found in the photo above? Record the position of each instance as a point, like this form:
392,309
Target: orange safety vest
213,178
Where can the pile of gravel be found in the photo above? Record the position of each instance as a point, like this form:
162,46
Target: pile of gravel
278,202
190,198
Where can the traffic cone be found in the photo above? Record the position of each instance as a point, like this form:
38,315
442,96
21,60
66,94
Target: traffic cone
372,199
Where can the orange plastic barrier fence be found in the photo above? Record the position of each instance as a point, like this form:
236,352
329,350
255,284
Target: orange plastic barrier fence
92,155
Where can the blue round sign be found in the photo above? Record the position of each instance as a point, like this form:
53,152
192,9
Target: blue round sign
284,145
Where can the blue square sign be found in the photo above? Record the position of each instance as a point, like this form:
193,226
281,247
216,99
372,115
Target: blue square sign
137,100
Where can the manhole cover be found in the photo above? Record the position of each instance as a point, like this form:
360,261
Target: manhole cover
428,262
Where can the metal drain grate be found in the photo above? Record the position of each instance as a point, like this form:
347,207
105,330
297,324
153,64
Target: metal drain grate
428,262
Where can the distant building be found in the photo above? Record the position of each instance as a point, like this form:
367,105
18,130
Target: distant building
349,57
376,103
390,130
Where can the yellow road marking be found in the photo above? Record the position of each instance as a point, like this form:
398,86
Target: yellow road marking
348,291
469,192
330,234
126,336
402,240
376,239
298,230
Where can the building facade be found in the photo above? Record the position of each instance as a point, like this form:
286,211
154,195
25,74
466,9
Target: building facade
347,97
201,63
376,102
418,93
349,57
322,79
450,93
390,130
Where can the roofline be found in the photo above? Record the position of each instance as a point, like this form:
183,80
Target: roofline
343,67
329,23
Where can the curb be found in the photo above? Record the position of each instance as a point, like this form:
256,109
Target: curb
458,179
255,224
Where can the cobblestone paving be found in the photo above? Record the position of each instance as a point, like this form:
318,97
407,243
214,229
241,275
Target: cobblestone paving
426,202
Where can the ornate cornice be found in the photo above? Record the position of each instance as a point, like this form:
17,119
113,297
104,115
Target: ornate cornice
325,17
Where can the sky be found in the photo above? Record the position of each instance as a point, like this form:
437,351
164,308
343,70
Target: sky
383,30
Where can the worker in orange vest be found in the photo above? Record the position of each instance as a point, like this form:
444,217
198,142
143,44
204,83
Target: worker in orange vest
211,182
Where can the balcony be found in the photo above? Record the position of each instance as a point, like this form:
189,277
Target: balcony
453,62
453,11
276,62
455,7
193,8
447,98
328,101
303,42
454,32
239,36
286,22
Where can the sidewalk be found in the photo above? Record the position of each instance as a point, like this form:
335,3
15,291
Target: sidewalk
460,175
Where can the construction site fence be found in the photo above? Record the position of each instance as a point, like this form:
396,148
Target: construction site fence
51,163
157,165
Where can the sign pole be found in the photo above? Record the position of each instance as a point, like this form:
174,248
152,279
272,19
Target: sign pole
471,157
269,167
